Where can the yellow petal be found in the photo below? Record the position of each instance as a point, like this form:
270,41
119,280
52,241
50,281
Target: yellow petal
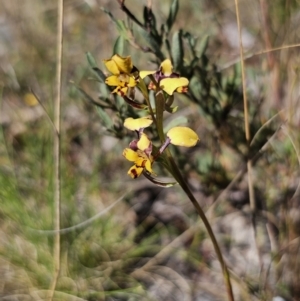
166,67
131,82
169,85
111,66
148,166
138,123
130,155
183,136
120,91
135,171
144,162
143,142
143,74
118,64
124,63
141,161
113,80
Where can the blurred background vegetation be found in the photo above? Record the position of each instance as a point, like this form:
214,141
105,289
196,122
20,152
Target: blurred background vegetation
150,245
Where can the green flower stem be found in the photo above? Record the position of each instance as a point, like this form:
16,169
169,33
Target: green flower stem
144,90
181,181
172,166
159,109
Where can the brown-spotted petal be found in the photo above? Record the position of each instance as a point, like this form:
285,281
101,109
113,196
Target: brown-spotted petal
135,171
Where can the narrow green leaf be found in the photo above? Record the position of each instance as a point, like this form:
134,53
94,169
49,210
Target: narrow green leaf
191,42
122,29
151,41
119,46
101,76
134,104
150,23
158,182
153,22
109,14
105,119
120,24
86,96
89,98
168,46
177,50
172,14
201,48
119,102
105,92
190,38
170,100
143,88
168,105
146,15
171,109
91,60
195,86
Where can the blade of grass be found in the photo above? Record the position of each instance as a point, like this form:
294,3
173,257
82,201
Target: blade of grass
57,158
44,109
84,223
273,64
247,132
251,55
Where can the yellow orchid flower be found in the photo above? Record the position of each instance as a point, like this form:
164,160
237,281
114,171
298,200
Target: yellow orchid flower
122,76
168,80
117,64
139,153
137,123
165,70
182,136
170,85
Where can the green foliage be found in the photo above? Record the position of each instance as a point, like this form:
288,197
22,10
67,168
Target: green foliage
177,50
119,46
142,244
172,14
215,96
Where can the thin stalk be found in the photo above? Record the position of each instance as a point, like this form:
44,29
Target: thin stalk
246,113
172,167
158,116
57,158
271,59
145,93
247,132
181,181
